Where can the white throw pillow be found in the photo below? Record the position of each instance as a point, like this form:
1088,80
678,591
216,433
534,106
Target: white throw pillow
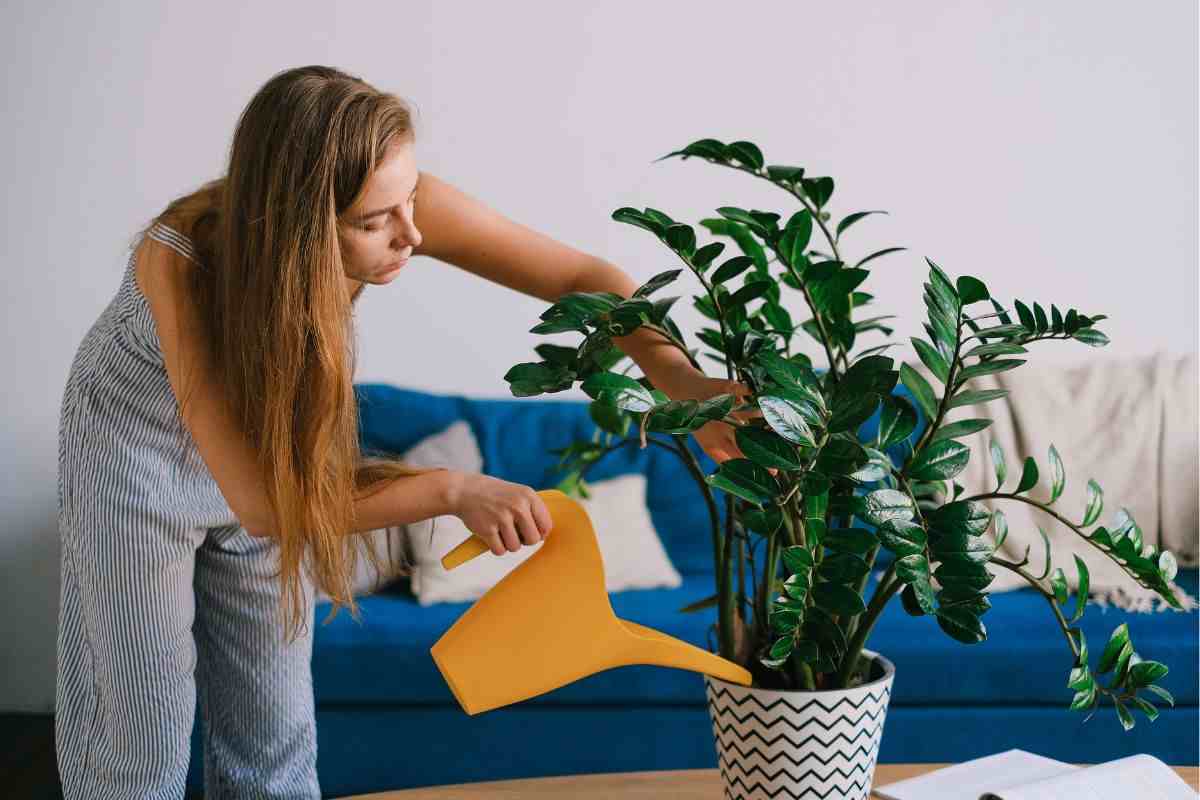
633,554
453,447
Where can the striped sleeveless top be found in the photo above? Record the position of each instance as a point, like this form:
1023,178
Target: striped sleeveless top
125,457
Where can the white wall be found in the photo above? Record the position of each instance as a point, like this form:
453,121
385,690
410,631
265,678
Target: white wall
1049,148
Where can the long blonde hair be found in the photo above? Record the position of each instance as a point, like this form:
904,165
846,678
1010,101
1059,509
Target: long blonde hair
271,290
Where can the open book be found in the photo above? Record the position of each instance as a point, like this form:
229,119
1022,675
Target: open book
1019,775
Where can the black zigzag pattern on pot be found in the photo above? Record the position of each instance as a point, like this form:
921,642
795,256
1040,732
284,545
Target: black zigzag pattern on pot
823,746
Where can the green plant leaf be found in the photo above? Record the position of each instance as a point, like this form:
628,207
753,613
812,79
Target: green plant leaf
853,411
746,153
879,253
963,427
1058,475
1058,582
1123,714
1146,708
681,238
897,420
1117,640
797,560
745,479
837,598
841,456
732,268
987,368
971,290
850,540
786,419
1091,337
995,349
657,282
1144,673
940,461
1081,594
1029,475
850,219
903,537
842,567
882,505
1162,693
921,390
766,448
965,516
999,465
977,396
931,358
961,624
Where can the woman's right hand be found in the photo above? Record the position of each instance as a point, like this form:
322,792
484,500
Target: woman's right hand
501,513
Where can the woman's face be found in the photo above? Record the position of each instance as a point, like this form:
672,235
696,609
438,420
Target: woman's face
377,234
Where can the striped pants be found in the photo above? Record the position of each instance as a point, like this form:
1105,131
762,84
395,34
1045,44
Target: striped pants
154,618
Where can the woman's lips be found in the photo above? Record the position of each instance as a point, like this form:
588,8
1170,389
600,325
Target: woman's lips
395,265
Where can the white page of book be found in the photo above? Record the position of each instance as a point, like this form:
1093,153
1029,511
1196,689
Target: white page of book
970,779
1141,776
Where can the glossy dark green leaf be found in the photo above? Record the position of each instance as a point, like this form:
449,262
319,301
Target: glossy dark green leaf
626,392
995,349
853,411
819,190
767,448
1029,475
797,560
657,282
897,420
1145,673
940,461
751,290
961,516
910,601
850,219
609,417
1081,594
705,255
1058,583
987,368
902,537
961,624
1025,315
841,457
745,479
786,419
931,358
961,547
837,598
842,567
1091,337
850,540
879,253
963,573
1123,714
882,505
746,153
1146,708
779,172
1117,640
1162,693
962,427
978,396
971,290
632,216
732,268
920,389
681,238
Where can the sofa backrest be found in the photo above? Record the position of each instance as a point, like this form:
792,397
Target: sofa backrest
516,438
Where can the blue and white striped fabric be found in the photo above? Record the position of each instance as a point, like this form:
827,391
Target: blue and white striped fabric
165,598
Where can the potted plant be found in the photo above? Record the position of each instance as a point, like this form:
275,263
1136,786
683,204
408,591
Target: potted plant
820,502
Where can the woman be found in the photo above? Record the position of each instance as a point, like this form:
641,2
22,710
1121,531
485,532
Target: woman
209,469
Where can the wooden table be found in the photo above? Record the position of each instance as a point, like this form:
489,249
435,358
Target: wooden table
683,784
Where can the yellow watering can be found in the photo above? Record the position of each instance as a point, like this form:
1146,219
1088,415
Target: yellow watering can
549,622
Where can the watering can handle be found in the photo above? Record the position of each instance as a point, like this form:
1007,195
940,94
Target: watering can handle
466,550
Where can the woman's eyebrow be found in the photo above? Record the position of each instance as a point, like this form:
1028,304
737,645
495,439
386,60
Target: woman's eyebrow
377,212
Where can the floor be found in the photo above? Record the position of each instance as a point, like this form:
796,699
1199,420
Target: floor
28,769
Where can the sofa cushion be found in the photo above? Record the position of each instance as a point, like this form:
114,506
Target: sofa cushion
1025,659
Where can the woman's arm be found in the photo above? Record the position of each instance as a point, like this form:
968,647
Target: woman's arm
161,273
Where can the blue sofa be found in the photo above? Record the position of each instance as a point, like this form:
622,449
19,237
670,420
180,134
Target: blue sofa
387,720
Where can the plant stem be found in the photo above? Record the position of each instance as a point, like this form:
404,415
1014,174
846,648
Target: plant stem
947,394
888,585
1049,597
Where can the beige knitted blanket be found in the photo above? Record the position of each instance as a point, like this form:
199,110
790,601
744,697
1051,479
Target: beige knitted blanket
1130,424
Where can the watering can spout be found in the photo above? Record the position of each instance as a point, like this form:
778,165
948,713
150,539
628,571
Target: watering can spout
549,622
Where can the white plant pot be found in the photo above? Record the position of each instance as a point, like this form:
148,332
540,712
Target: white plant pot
781,744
